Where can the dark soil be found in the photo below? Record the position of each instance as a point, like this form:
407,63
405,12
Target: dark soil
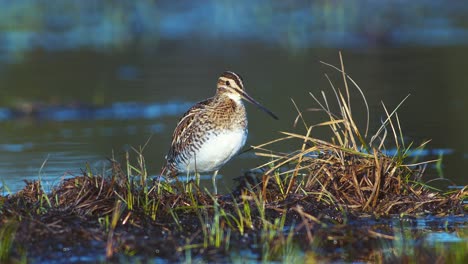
73,223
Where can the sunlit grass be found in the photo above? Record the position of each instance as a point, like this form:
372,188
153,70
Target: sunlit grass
350,169
303,200
7,234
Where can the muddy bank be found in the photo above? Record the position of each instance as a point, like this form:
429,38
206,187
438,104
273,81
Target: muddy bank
118,217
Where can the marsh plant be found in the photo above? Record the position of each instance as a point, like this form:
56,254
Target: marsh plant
297,205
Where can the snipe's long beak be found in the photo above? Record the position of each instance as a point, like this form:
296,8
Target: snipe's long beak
251,100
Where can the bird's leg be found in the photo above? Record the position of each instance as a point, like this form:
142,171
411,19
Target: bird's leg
215,189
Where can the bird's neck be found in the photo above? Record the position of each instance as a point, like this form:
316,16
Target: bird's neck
231,109
227,100
234,97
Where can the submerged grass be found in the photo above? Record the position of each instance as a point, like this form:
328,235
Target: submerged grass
309,195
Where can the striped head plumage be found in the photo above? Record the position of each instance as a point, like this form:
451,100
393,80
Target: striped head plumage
231,84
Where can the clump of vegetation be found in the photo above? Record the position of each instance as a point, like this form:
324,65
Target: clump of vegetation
352,172
302,201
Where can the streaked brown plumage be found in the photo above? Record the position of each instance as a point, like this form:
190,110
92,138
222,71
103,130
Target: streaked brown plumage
211,132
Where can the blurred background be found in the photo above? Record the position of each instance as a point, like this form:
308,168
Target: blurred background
82,81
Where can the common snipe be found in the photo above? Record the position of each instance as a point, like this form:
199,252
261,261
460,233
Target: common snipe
212,131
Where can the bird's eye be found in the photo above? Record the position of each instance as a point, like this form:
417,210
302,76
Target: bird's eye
228,83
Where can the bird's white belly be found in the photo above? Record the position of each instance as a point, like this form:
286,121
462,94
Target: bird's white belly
216,151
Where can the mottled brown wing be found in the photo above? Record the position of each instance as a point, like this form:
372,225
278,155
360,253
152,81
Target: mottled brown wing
183,132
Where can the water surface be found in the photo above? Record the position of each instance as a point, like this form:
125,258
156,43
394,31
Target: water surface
80,83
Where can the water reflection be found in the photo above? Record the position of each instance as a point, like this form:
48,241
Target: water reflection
55,26
118,110
16,147
82,80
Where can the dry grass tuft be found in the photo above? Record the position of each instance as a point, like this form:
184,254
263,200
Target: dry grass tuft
352,171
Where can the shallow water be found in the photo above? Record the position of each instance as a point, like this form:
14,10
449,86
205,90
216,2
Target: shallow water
80,82
365,240
69,128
